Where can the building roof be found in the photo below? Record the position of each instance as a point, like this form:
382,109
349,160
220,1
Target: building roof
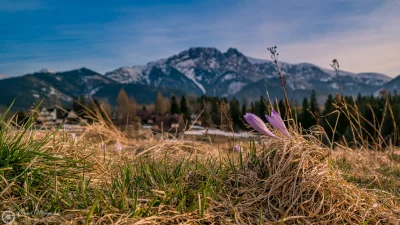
143,114
166,123
67,116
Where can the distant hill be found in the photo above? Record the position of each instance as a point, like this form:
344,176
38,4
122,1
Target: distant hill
32,88
61,87
391,86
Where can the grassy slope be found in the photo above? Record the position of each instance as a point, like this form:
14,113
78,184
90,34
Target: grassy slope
48,177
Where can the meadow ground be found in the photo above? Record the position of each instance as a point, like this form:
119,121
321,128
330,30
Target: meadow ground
104,177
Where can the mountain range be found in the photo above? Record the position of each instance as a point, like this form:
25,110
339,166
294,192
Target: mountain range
195,71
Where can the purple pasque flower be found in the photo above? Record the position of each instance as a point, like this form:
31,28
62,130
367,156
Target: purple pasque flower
237,148
74,137
276,121
258,125
118,147
104,147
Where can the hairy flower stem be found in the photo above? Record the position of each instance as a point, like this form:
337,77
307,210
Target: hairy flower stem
335,66
282,78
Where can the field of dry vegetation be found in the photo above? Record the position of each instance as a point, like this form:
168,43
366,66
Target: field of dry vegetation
103,176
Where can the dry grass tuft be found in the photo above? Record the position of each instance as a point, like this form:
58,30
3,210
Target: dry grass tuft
293,182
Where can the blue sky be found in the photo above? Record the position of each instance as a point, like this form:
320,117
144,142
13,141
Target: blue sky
104,35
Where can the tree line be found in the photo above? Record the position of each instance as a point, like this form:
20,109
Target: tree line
371,116
378,113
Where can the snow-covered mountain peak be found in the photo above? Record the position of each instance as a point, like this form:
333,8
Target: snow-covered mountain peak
127,74
203,51
237,61
234,51
197,57
46,70
209,71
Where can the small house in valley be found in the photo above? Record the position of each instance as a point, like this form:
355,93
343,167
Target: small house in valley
56,117
168,123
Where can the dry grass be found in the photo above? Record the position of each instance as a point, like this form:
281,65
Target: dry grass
289,181
375,171
294,183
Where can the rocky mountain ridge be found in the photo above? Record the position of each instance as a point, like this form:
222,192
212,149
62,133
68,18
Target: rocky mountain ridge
196,71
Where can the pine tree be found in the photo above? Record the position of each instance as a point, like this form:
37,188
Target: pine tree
174,106
306,120
314,108
76,106
329,105
244,109
329,118
234,110
79,106
215,107
204,108
215,114
185,109
359,98
93,106
252,108
262,108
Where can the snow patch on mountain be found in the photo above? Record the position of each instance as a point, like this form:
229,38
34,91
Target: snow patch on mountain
298,84
235,87
213,64
192,76
52,91
228,76
94,91
376,79
127,74
334,85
